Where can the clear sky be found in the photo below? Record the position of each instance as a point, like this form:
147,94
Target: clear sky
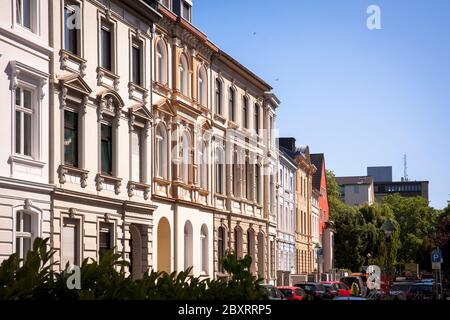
362,97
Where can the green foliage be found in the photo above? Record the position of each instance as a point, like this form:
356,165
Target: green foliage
359,235
35,279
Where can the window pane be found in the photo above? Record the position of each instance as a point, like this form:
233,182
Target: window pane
106,49
26,13
136,77
71,138
136,156
27,135
26,222
26,246
70,31
18,247
104,238
70,242
18,220
18,99
106,146
18,132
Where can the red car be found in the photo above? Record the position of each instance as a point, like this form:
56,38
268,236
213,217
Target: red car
292,293
336,288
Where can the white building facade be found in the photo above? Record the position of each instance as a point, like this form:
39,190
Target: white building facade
24,129
286,219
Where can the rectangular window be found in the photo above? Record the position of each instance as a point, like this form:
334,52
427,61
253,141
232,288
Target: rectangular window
71,138
106,149
136,60
71,29
70,242
106,48
23,121
105,241
24,12
136,155
356,189
186,11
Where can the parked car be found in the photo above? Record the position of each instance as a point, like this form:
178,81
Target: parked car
315,290
351,279
403,286
381,295
422,291
292,293
335,286
273,292
349,299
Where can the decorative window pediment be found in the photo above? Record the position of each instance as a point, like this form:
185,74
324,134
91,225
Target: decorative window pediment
110,104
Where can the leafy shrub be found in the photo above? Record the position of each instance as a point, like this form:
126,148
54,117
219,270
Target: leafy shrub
36,279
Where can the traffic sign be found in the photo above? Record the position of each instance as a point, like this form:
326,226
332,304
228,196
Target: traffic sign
436,256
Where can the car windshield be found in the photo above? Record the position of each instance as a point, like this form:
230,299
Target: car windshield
309,287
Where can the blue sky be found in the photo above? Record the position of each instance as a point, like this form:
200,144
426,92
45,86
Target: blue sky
364,98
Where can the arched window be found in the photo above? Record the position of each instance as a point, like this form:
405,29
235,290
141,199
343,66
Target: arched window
25,233
203,164
161,152
238,242
220,246
188,250
161,63
256,118
251,247
185,157
219,170
261,256
184,76
245,112
218,100
202,87
204,248
232,104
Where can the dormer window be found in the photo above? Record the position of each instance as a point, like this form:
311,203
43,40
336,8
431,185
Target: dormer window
186,11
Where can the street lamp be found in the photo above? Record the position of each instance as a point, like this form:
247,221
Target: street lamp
388,228
318,247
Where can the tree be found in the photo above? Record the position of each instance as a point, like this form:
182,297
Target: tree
417,222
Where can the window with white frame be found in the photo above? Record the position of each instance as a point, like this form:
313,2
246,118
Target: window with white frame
72,28
71,133
245,112
106,238
202,87
70,242
137,155
27,14
161,152
106,146
185,157
186,11
232,104
203,164
161,62
24,121
219,170
256,120
204,248
184,75
218,99
258,183
235,172
137,62
25,227
166,3
107,46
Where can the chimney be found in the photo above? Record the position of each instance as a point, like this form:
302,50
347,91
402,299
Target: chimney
288,143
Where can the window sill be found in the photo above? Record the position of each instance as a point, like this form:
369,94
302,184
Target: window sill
161,181
107,79
72,63
142,188
64,170
101,179
26,161
137,93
